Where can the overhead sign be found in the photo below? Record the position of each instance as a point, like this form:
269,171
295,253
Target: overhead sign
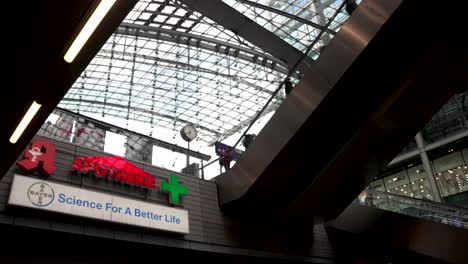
120,170
39,157
115,168
50,196
174,189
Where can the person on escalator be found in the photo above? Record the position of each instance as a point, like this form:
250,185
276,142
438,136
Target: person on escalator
288,86
350,6
248,139
226,158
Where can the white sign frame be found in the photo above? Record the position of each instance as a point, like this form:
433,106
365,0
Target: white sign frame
55,197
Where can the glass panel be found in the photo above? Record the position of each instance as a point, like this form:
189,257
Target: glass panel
419,183
451,119
151,71
115,144
88,135
428,210
447,162
465,155
451,173
398,183
59,126
299,23
138,149
378,185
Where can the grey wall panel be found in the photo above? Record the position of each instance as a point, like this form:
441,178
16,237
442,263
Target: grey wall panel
32,222
67,227
99,231
194,217
6,219
210,229
128,236
155,240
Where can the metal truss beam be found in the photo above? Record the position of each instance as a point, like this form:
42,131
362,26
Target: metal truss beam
138,109
205,43
313,7
285,14
192,91
187,66
244,27
271,107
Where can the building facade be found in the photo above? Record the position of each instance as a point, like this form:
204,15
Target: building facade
210,231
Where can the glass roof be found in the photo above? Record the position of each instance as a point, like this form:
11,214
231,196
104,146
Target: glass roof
298,22
167,65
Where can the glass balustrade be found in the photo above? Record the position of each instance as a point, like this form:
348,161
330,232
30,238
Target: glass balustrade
424,209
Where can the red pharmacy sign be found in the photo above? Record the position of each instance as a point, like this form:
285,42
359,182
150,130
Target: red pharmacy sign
39,157
115,168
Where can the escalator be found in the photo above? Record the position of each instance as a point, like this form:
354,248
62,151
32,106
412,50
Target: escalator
398,223
377,83
425,209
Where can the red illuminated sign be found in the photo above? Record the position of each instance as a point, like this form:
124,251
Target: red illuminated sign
39,157
115,168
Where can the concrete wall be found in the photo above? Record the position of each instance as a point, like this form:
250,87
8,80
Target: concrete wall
210,229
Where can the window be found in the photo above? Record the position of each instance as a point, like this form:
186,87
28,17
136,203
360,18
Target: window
115,144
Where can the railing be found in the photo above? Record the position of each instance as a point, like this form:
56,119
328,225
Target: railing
438,212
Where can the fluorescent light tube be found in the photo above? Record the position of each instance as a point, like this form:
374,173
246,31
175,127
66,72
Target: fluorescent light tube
25,122
88,29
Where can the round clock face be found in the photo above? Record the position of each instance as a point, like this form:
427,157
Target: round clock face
188,132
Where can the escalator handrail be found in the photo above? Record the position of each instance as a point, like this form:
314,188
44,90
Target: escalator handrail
449,221
444,208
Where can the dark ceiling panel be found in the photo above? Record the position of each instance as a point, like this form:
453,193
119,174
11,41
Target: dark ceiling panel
34,65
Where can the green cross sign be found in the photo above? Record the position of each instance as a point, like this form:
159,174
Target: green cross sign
174,189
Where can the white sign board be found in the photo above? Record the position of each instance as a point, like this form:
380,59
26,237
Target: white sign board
50,196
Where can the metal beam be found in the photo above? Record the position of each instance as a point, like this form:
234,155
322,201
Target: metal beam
138,109
185,66
429,147
154,141
428,168
320,7
244,27
201,42
270,108
285,14
116,86
309,15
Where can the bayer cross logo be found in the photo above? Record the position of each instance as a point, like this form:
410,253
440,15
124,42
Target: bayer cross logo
40,194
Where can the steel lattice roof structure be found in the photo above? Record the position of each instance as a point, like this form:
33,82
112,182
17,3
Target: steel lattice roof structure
168,64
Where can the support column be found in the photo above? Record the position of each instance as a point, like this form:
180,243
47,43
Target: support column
202,170
428,167
188,156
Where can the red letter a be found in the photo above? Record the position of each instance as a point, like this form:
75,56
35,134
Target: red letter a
40,156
